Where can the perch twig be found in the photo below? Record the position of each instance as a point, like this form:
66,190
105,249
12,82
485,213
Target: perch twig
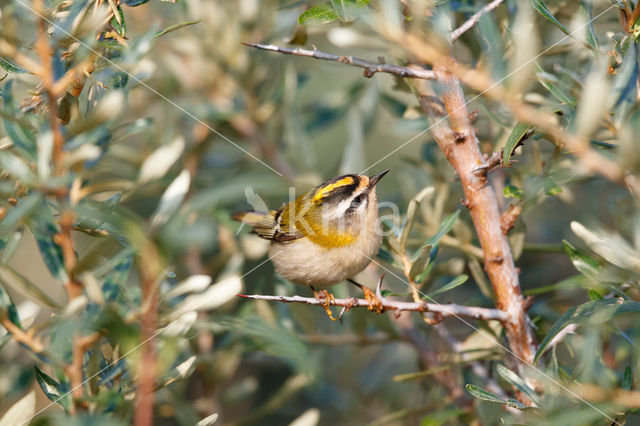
442,310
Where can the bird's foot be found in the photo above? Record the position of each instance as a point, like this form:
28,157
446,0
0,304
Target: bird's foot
328,300
375,303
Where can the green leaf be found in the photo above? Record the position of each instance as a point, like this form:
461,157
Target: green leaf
23,209
457,281
440,417
585,264
445,227
10,278
555,87
420,261
9,245
512,191
485,395
176,27
627,379
594,312
42,226
7,306
586,8
16,167
594,294
133,3
518,382
19,132
542,8
120,27
411,213
516,135
576,281
55,391
321,14
9,66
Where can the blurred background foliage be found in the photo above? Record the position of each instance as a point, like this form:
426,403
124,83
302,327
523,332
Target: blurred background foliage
175,118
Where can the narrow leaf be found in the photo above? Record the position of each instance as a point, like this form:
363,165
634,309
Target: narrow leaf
411,213
516,135
11,278
485,395
582,262
161,160
457,281
171,199
9,66
518,382
55,391
445,227
594,312
542,8
627,379
177,27
20,412
586,8
420,261
209,420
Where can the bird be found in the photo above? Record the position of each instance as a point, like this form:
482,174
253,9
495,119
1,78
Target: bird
326,236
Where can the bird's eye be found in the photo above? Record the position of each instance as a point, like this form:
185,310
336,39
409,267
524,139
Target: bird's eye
357,201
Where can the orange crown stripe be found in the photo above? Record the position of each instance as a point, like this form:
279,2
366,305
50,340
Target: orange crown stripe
325,190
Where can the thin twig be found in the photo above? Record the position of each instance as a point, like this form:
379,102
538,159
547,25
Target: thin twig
444,310
22,336
475,18
370,68
80,346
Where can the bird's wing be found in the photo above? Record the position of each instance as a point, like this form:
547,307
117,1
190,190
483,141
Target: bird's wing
268,225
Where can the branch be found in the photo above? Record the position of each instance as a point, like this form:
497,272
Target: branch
442,311
547,122
455,135
475,18
370,68
21,336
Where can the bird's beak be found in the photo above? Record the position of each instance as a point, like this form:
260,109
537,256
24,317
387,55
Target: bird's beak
373,180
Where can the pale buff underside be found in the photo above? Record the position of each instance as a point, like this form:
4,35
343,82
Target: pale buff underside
303,262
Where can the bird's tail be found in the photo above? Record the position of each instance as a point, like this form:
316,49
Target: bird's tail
263,224
250,218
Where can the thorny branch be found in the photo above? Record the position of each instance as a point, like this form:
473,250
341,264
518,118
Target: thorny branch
370,68
474,19
440,310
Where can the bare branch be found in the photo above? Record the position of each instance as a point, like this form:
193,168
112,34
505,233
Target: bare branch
443,311
475,18
544,121
456,137
370,68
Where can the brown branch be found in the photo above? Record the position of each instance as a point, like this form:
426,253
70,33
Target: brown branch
442,310
370,68
150,269
474,19
21,336
456,137
546,122
74,370
509,216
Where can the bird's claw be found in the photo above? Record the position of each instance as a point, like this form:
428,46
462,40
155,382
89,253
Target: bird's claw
328,300
375,304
